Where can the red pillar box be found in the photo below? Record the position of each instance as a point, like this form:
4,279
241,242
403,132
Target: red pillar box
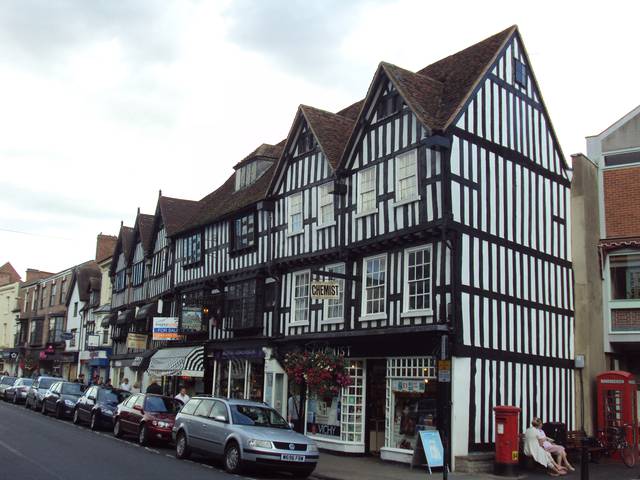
507,440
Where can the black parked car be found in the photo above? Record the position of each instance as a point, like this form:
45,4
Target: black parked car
61,399
98,406
37,391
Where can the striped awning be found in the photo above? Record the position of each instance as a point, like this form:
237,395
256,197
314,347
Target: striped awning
183,361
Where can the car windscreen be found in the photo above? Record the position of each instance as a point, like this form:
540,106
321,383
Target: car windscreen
72,389
27,382
112,398
45,383
8,380
257,416
161,405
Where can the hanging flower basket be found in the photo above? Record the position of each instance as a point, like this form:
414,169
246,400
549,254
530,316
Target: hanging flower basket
324,373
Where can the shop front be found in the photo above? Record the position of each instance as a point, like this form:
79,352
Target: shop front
179,367
239,373
94,364
392,395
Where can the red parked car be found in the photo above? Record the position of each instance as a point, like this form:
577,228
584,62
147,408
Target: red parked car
149,417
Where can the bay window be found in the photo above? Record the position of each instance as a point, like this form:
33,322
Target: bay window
374,286
244,232
137,274
241,308
334,308
119,283
192,245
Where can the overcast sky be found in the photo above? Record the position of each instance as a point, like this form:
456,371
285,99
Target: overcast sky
105,102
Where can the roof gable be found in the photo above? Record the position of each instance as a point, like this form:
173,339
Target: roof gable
9,273
142,232
123,245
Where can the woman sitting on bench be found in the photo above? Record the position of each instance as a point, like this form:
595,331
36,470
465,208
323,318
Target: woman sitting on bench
534,449
550,446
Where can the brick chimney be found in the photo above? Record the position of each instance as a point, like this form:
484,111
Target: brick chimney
33,274
105,245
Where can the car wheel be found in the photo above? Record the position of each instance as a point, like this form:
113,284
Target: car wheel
15,399
93,425
43,409
59,412
182,448
76,417
26,404
143,435
232,459
117,429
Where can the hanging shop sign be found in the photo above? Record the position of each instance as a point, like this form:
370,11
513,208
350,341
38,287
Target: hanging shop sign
67,335
408,386
165,328
93,340
137,341
444,371
325,290
191,319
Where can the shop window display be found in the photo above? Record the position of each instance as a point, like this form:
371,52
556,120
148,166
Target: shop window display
411,400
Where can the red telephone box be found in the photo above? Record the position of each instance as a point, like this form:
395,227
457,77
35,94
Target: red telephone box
617,404
507,440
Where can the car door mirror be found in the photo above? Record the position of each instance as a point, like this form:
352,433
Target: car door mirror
92,398
291,425
220,418
138,408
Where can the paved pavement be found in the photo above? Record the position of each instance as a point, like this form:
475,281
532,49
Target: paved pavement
35,447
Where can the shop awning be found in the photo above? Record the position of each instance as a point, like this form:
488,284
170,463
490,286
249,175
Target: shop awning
108,320
185,361
146,311
141,362
125,317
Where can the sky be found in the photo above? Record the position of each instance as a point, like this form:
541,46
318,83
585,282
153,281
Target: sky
103,103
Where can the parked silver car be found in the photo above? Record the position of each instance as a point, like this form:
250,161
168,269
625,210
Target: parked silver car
18,392
37,390
6,382
243,433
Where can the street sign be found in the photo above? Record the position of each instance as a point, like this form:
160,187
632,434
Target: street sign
67,335
325,290
444,371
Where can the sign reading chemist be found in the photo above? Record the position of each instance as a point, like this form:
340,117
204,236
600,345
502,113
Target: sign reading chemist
327,290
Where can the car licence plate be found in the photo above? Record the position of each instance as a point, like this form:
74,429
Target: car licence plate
287,457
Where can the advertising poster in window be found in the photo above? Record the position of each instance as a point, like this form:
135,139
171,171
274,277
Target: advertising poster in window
191,319
323,417
165,328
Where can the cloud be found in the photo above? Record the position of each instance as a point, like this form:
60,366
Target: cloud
304,37
42,31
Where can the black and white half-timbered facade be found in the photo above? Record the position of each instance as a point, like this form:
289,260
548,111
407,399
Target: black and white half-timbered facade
439,205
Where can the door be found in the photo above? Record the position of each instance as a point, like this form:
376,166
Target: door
88,401
51,397
136,413
198,425
126,417
375,408
217,426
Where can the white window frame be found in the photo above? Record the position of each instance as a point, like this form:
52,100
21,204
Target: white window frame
325,304
416,196
378,315
293,321
406,311
360,209
290,213
325,199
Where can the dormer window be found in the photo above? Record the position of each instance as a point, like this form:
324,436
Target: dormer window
137,275
306,142
388,104
250,172
119,283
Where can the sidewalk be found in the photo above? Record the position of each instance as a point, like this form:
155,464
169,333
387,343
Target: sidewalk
336,467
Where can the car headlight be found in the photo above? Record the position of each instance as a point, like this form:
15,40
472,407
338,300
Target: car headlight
160,424
69,403
254,443
312,447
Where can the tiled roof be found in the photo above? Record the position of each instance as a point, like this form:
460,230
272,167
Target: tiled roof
144,225
263,151
330,130
175,212
85,274
10,273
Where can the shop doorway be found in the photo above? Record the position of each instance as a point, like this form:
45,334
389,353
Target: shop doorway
375,407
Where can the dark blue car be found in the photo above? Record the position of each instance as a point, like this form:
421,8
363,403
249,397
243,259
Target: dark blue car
98,405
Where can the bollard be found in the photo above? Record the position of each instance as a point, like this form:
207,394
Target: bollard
584,461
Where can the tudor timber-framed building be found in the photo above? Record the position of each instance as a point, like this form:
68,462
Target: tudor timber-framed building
439,203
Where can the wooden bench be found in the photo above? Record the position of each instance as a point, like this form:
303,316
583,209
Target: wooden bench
574,446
